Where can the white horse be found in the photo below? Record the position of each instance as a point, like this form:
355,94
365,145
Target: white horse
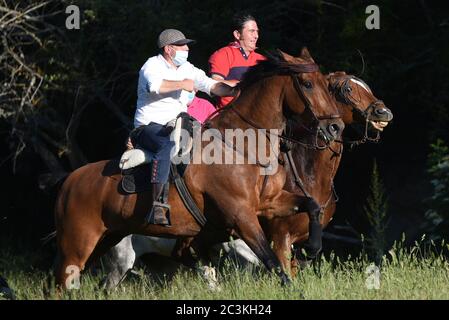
122,258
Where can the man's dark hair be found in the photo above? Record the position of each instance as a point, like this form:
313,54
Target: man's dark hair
239,20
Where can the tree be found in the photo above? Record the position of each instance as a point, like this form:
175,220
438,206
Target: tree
376,212
437,216
24,35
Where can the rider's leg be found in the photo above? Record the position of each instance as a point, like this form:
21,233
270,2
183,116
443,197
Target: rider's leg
155,138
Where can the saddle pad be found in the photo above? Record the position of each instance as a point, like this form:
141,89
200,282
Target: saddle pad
136,179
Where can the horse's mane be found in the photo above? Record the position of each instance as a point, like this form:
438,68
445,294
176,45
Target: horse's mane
275,64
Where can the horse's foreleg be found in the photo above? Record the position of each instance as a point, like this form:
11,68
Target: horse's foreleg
314,242
251,232
282,249
286,201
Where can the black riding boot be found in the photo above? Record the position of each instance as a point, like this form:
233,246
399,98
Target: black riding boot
159,213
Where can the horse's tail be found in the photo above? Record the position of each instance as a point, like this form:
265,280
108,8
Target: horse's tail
50,182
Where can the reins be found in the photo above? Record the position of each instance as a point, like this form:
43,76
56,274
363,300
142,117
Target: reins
310,67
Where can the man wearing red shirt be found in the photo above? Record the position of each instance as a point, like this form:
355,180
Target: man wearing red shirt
232,61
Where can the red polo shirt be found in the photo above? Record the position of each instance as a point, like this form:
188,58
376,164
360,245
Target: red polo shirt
231,62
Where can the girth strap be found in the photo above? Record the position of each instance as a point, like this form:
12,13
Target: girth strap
186,197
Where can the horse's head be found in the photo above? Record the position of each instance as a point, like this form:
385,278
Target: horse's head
309,97
357,103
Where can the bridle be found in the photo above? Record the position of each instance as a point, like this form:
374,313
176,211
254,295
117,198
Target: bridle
366,114
341,92
294,70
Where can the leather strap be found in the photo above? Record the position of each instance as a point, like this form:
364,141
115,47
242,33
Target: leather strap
186,197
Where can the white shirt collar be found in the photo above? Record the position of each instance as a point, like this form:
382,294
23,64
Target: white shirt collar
167,64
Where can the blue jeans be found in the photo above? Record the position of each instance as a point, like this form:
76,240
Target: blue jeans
155,138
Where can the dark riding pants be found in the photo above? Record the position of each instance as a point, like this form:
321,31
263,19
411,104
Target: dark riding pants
155,138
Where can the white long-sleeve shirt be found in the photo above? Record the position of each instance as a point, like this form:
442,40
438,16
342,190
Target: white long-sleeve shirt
161,108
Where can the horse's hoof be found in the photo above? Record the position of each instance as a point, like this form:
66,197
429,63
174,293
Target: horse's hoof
285,280
306,263
6,293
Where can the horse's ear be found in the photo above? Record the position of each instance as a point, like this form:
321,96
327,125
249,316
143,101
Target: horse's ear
286,56
330,78
305,54
335,74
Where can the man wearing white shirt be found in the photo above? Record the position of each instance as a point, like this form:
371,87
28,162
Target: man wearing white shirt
166,85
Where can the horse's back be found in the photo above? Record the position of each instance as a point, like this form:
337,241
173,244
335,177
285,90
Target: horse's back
87,186
91,173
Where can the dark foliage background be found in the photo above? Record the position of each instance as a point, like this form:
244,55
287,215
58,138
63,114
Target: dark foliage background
84,105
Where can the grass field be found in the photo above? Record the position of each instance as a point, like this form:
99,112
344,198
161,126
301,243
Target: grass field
405,274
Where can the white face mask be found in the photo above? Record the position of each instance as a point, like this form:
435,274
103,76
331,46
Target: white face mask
180,57
187,97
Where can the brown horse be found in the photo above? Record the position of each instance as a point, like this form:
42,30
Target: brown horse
358,107
92,214
313,171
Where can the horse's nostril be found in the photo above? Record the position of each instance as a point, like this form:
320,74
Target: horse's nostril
383,113
334,128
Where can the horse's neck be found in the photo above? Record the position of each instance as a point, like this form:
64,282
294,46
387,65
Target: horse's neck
317,169
261,103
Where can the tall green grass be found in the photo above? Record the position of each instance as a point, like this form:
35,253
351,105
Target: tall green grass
420,272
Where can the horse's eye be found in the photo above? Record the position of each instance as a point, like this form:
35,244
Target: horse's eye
308,84
348,89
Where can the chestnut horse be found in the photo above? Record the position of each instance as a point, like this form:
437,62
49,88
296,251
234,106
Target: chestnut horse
314,170
92,214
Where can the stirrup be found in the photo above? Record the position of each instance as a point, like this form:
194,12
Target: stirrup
161,204
159,214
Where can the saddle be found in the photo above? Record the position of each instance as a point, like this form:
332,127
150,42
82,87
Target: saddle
136,165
